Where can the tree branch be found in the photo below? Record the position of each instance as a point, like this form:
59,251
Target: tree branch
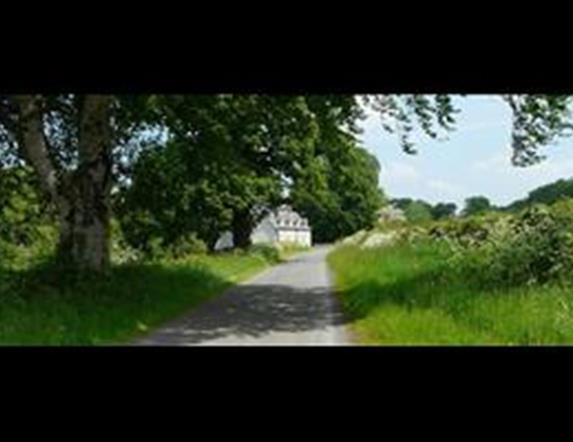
32,142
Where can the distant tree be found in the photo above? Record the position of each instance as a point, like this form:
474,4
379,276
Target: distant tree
418,211
401,203
547,194
443,210
476,205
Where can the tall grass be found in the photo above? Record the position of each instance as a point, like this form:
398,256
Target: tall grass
410,294
42,307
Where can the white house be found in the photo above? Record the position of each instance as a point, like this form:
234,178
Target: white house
282,226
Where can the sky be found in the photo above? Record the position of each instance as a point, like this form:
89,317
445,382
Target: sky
473,160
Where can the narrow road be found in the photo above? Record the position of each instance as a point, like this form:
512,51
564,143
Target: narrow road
290,304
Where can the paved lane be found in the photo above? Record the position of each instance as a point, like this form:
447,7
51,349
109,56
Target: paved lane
290,304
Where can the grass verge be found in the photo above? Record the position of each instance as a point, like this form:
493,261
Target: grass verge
408,295
38,307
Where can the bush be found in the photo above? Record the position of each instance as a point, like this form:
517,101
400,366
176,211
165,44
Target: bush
121,250
187,245
537,248
139,232
269,252
17,256
534,246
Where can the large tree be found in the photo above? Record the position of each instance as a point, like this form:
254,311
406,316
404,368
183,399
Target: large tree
43,131
76,143
224,165
339,192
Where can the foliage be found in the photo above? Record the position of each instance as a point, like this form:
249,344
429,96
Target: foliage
121,251
267,251
476,205
21,206
418,211
532,247
535,247
187,245
170,199
547,194
27,235
443,210
401,203
537,121
339,191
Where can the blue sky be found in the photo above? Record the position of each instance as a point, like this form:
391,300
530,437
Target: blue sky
474,160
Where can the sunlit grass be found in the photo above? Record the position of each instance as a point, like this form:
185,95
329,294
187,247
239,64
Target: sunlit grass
408,295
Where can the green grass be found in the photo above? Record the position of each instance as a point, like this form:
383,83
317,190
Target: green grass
290,250
408,295
38,307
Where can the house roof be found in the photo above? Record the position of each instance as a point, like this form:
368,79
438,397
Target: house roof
285,218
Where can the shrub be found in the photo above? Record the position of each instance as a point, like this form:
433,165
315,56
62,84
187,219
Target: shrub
269,252
187,245
140,232
121,250
534,246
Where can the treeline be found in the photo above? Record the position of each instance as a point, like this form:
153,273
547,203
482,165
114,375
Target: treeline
420,210
547,194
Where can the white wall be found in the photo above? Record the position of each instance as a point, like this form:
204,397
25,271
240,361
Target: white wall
300,237
264,233
225,241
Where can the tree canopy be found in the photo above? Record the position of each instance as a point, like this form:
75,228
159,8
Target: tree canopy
339,193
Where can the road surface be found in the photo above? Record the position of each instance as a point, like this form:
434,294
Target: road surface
290,304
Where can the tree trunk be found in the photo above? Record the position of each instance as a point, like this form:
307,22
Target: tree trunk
82,196
84,216
85,210
242,227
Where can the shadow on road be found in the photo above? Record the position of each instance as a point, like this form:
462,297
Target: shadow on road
250,311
